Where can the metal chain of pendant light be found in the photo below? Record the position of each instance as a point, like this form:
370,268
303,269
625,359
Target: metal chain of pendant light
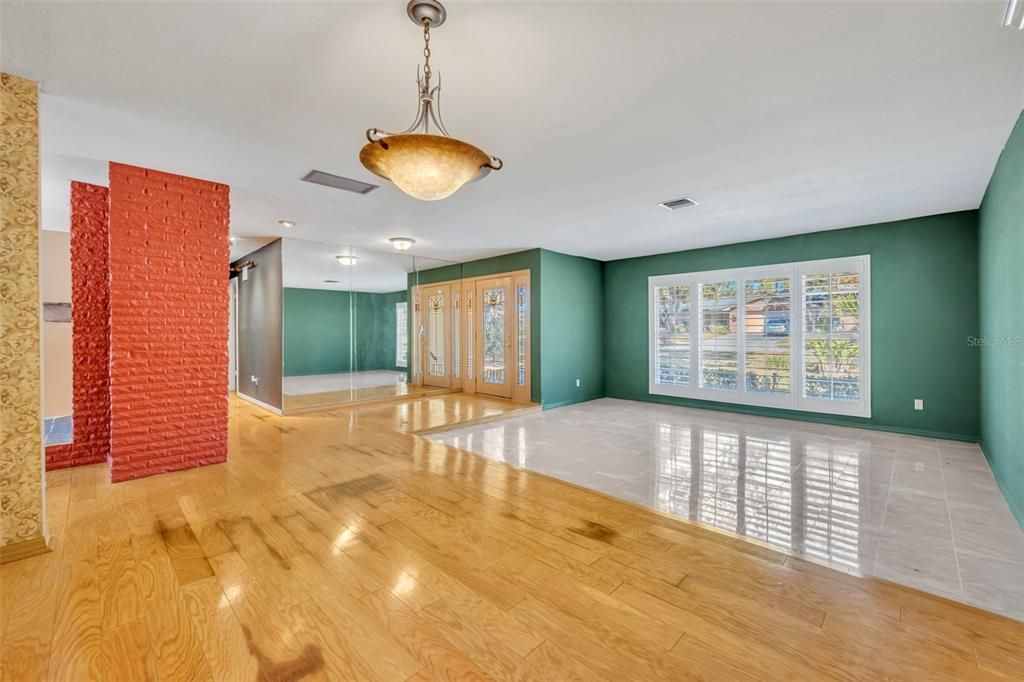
423,164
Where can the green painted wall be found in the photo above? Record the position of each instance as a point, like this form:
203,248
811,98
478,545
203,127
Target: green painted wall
318,330
1001,295
520,260
375,329
572,328
924,306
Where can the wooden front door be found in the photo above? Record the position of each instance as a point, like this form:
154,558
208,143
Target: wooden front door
437,342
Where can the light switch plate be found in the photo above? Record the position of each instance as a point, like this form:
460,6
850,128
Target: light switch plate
918,404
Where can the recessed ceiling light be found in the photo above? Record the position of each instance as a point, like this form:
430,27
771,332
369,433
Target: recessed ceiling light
286,223
345,259
402,243
684,202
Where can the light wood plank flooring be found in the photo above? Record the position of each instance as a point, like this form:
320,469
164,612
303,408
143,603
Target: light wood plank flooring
338,546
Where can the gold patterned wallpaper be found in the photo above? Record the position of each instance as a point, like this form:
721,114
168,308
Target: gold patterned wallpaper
21,464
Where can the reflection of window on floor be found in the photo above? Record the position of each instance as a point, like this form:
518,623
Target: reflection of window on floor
832,506
674,455
767,491
804,499
494,443
720,469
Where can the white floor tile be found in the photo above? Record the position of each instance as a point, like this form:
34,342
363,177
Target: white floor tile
919,511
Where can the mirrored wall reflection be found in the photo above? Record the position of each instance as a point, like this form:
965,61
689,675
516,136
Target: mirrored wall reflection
347,324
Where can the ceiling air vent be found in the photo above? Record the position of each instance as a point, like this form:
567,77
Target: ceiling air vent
685,202
337,182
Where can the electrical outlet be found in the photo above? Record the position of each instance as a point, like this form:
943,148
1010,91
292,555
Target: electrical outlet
254,379
918,404
577,383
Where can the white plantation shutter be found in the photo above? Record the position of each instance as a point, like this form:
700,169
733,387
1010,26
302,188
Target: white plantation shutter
767,304
672,335
831,345
719,343
793,336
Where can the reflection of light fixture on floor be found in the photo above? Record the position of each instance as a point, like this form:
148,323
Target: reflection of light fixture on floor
402,243
286,223
423,164
346,259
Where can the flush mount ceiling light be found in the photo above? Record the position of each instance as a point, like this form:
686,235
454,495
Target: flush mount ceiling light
402,243
423,164
346,259
286,223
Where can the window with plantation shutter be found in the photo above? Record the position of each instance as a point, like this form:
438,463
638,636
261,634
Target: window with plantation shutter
718,342
767,349
672,335
791,335
831,348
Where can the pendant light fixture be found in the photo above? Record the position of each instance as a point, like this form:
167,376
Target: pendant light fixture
424,161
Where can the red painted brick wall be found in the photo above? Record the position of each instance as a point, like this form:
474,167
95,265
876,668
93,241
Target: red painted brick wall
61,457
90,336
168,322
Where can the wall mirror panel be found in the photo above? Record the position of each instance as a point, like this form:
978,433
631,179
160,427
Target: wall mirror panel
347,325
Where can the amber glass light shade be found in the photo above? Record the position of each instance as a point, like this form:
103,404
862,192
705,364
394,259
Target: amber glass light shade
428,167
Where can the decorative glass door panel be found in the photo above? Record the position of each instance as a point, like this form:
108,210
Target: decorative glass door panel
437,341
495,329
522,310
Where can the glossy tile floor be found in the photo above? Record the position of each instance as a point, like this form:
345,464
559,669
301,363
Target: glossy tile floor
922,512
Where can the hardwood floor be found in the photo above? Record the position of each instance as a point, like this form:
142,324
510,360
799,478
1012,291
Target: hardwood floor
338,546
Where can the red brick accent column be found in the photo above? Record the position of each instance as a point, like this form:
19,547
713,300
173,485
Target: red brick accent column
169,259
90,336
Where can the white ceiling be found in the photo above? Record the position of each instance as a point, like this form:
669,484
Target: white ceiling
779,118
307,265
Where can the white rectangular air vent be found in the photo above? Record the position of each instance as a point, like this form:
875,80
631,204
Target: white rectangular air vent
318,177
672,205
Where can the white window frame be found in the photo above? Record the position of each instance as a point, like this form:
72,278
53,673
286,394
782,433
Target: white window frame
401,334
795,400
